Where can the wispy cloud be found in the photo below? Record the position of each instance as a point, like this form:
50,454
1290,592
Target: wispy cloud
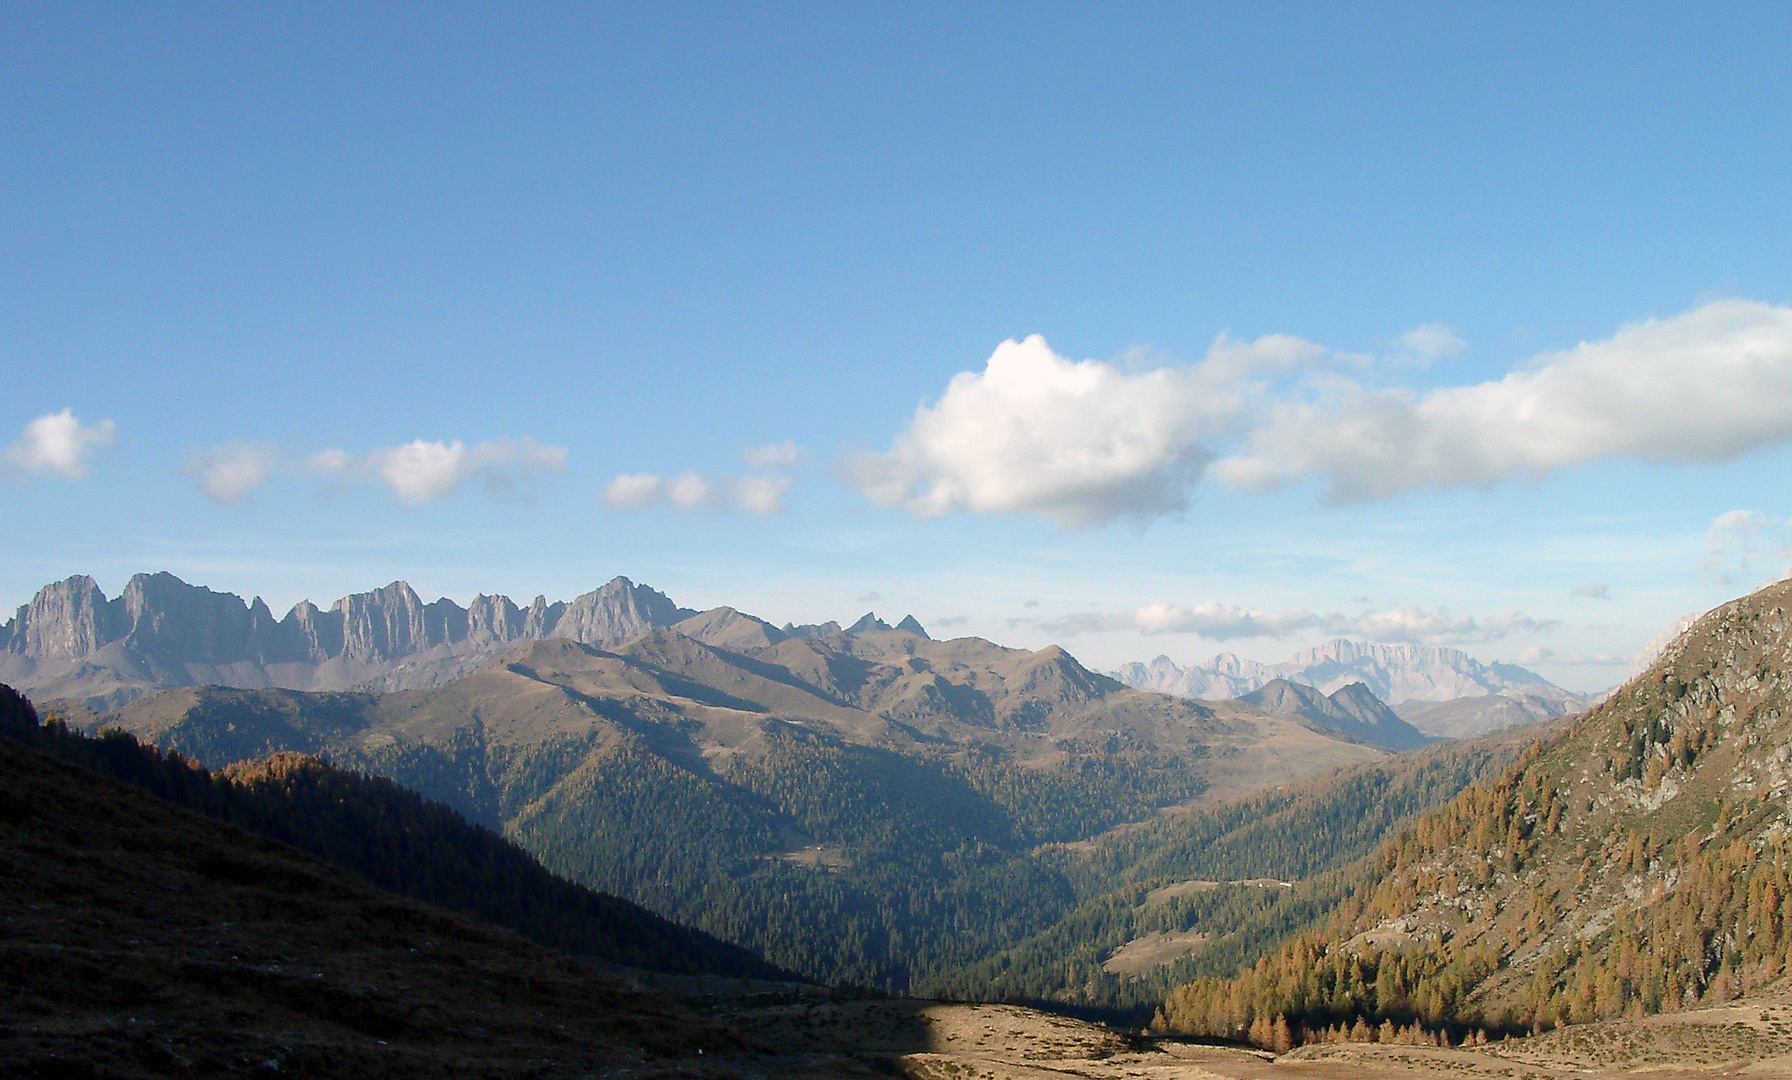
1432,341
420,471
58,444
760,492
231,473
1593,590
1088,442
1740,541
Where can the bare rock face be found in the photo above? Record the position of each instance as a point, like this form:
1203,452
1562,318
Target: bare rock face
64,621
619,611
160,632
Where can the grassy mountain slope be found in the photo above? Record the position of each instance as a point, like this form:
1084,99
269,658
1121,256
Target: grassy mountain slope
1639,861
394,840
856,807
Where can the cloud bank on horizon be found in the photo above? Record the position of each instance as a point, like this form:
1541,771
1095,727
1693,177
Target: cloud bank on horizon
1227,622
1088,442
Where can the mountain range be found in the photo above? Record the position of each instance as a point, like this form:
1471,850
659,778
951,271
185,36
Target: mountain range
71,642
783,788
1440,691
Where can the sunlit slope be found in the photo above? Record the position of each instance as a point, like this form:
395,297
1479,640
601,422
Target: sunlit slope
1637,862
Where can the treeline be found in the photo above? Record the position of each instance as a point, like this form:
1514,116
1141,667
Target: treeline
1515,854
395,840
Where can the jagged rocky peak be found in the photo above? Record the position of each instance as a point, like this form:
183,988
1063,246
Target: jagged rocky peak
617,612
493,619
868,623
64,621
383,624
162,632
812,631
166,617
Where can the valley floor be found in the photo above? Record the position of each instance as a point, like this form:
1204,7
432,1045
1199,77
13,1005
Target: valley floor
938,1041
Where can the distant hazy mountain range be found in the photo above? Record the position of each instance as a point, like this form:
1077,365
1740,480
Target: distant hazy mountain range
71,642
1440,691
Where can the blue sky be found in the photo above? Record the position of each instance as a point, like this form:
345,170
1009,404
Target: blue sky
275,262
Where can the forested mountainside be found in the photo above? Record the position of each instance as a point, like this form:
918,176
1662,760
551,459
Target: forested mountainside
1639,861
141,939
394,840
1201,892
857,807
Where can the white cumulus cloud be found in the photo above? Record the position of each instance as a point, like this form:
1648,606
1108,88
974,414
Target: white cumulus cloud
1081,442
231,473
421,471
1706,386
1087,442
58,444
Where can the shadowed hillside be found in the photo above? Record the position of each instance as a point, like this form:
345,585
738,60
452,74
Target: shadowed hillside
141,939
394,840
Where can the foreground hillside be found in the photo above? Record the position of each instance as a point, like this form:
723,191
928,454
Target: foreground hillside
397,841
138,939
859,806
1639,862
